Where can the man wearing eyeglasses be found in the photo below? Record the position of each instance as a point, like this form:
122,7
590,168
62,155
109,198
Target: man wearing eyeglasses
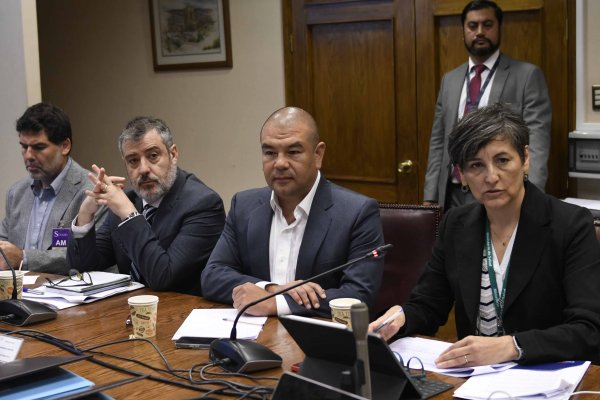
163,230
35,231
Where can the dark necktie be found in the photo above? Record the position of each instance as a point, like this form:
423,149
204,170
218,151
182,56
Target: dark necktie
474,90
148,213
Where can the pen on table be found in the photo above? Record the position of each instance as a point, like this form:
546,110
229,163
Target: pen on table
243,322
388,320
34,291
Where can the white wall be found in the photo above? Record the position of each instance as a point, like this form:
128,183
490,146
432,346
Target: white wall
19,80
96,62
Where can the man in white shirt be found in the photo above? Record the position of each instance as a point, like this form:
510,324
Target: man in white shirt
299,226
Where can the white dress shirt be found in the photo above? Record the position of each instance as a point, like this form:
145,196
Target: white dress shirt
284,243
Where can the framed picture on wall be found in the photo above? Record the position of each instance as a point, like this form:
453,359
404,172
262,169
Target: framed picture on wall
190,34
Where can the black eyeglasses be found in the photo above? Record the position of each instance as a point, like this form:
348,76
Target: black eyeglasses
78,279
420,375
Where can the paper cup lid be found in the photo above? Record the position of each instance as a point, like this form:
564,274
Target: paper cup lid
344,302
8,274
143,299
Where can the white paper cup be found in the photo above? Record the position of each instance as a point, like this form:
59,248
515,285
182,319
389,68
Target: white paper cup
340,310
143,310
6,284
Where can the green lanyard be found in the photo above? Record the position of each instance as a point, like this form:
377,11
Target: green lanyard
498,298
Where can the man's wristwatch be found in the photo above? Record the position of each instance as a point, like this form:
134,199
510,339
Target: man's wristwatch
131,215
521,355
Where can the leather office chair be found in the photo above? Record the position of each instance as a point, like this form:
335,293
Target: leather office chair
412,229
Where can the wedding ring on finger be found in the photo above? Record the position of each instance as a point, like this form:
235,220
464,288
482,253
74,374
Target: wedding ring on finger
105,188
466,360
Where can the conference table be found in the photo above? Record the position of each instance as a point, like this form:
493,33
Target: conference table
104,321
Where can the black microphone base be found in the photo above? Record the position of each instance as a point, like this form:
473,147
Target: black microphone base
243,355
24,312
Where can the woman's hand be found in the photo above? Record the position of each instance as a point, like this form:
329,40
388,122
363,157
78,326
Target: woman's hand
391,328
478,350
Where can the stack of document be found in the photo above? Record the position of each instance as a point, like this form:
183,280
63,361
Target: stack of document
93,282
500,381
427,350
543,381
71,296
217,323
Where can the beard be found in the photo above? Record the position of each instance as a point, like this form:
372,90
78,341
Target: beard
483,51
163,186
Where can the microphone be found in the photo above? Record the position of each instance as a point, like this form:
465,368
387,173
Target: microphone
22,312
360,326
239,355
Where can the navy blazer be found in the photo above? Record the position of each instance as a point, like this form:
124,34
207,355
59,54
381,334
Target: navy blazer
552,300
342,225
172,252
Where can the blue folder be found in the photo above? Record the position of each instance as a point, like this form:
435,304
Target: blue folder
53,383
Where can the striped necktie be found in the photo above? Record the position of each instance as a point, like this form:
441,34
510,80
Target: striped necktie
149,211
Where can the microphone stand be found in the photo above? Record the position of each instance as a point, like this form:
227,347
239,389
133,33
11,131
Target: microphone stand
245,355
42,311
360,327
378,252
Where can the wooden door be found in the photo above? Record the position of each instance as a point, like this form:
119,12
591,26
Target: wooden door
351,65
534,31
369,71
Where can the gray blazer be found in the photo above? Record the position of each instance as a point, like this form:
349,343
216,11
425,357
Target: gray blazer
342,225
19,202
518,84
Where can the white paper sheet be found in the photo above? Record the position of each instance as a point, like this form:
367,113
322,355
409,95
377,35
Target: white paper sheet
534,382
60,301
29,279
427,350
217,323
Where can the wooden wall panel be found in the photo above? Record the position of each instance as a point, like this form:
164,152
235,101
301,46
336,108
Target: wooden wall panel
354,79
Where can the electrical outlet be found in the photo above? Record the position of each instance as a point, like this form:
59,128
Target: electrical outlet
596,97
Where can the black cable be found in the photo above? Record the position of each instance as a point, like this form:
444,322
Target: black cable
98,389
242,375
229,389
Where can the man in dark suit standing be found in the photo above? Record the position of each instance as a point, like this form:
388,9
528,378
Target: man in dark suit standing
39,208
163,230
299,226
497,78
